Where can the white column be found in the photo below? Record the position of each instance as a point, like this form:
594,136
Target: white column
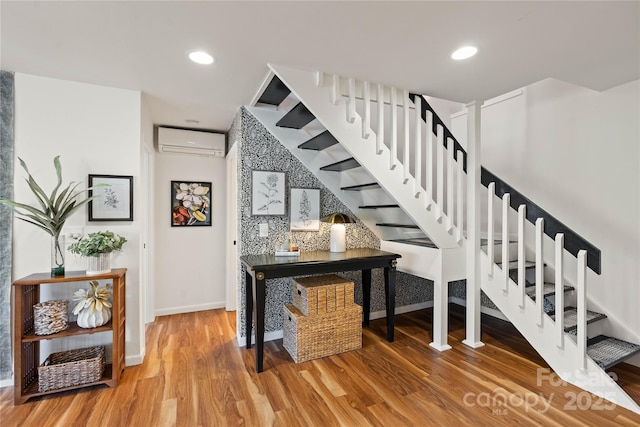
473,226
440,306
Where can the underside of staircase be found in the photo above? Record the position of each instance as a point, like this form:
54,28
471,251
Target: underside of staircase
408,189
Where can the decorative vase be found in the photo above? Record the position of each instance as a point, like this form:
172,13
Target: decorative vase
87,319
57,255
99,264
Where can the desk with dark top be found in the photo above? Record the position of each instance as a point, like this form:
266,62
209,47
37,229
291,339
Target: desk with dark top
262,267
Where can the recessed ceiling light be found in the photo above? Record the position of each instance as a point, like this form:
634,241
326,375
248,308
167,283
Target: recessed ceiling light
201,57
464,52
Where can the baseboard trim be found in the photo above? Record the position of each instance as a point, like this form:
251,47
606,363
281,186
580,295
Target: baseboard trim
268,336
401,310
190,308
6,383
486,310
133,360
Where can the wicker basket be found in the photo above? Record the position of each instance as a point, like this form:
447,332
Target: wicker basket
50,317
307,338
317,295
71,368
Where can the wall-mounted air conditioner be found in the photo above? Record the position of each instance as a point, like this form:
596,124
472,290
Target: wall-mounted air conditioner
195,142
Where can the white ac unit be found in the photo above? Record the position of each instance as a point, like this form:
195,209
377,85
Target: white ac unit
183,141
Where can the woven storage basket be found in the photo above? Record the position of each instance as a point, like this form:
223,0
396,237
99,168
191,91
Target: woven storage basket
307,338
50,317
71,368
322,294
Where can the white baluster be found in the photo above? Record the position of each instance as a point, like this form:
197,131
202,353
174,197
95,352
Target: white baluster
522,213
351,105
539,270
407,133
460,196
581,306
439,172
491,191
429,162
559,264
418,148
380,134
366,121
506,201
319,80
450,184
393,160
335,90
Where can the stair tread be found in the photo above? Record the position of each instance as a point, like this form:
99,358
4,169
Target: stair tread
547,290
420,241
571,318
378,206
297,118
608,351
360,187
319,142
390,224
275,92
342,165
513,265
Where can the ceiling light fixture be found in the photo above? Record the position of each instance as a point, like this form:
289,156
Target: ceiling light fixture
201,57
464,53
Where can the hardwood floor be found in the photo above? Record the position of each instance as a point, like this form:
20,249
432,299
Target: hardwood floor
194,374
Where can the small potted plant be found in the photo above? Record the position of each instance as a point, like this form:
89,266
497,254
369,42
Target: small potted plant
93,308
97,248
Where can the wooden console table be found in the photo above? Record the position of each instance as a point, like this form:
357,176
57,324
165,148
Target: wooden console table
27,343
262,267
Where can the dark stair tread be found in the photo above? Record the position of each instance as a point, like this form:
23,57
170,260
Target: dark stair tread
275,92
608,351
420,241
342,165
360,187
571,318
319,142
389,224
378,206
485,242
547,290
297,118
513,265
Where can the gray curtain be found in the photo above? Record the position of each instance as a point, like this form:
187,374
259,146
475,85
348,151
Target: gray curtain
6,192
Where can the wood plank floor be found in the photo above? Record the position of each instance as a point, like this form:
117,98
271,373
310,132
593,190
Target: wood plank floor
195,374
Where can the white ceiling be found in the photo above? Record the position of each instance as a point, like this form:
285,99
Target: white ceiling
142,46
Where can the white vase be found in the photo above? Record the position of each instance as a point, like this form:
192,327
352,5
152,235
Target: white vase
99,264
87,319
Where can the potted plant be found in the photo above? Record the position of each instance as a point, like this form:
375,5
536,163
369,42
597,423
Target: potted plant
53,210
97,248
94,307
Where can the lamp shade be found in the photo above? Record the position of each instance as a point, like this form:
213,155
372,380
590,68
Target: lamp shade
338,242
338,218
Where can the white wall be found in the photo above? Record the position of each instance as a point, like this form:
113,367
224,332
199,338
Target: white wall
190,262
576,153
96,130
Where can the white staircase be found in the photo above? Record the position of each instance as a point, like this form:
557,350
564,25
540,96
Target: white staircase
392,161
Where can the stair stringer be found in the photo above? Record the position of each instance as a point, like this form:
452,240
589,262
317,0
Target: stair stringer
318,100
542,338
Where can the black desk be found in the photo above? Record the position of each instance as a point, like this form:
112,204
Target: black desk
263,267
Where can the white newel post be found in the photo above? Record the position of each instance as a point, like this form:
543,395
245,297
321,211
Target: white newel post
473,334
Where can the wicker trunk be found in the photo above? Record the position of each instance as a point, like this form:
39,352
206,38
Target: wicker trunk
317,295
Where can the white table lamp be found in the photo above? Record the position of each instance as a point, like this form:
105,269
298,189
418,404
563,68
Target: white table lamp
338,241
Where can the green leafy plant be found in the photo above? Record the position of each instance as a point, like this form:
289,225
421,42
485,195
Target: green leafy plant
98,243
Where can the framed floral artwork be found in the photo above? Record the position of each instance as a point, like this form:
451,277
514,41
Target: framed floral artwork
190,203
268,193
112,198
304,209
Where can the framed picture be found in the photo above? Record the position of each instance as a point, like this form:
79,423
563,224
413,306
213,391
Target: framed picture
268,193
305,209
190,203
113,198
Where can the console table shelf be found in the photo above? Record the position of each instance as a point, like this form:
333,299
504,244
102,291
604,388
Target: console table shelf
27,344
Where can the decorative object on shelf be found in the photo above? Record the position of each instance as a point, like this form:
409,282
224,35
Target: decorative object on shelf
190,203
338,242
112,198
97,248
305,209
52,213
50,317
94,307
268,195
71,368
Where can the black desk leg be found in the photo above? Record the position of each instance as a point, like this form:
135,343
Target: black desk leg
390,298
248,306
259,294
366,295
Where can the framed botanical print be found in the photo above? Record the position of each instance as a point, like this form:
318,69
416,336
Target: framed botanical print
190,203
305,209
112,198
268,193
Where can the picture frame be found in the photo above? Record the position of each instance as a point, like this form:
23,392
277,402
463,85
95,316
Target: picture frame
190,203
268,196
304,209
114,200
